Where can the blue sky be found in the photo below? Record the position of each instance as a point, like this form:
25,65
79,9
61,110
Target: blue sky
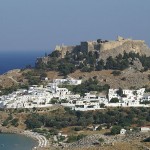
41,24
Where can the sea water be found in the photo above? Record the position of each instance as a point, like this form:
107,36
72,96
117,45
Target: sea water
16,142
18,59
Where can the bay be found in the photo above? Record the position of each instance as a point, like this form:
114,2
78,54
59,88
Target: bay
16,142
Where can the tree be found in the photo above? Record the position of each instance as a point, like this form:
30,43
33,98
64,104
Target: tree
110,63
14,122
100,65
63,101
115,130
74,138
147,139
66,68
52,64
86,69
5,123
114,100
120,92
102,105
40,65
119,58
99,40
43,75
101,140
33,121
135,93
55,53
54,101
116,73
34,80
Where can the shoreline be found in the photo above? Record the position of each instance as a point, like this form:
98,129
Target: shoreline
42,142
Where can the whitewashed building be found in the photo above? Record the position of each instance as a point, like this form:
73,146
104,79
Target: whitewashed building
69,80
145,129
130,97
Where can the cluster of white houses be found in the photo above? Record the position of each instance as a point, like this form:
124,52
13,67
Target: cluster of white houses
40,96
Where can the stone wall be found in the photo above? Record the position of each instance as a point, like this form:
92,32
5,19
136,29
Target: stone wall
115,48
108,48
132,44
89,46
110,45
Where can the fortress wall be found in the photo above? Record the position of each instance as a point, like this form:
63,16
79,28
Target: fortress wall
130,44
112,48
90,46
110,45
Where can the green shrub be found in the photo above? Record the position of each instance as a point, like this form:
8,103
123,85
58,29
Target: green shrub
14,122
147,139
114,100
99,128
74,138
116,73
77,128
101,140
115,130
5,123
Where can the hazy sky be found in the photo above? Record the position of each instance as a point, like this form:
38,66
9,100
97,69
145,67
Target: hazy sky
41,24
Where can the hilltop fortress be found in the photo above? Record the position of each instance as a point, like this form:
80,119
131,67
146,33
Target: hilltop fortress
107,48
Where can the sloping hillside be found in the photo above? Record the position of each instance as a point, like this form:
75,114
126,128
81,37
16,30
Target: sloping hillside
127,79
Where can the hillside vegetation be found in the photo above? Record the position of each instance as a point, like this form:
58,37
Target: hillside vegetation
87,62
113,67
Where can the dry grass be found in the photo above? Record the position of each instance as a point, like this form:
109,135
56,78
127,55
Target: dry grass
125,80
147,144
53,75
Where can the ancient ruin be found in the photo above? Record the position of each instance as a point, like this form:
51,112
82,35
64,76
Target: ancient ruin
108,48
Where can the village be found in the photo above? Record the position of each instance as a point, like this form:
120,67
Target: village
54,94
51,94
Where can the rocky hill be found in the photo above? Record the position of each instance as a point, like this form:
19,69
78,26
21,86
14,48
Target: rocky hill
10,78
97,55
105,48
122,63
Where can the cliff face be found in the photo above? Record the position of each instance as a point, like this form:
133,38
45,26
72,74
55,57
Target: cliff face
108,48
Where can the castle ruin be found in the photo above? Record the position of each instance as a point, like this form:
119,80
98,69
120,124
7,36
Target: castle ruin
108,48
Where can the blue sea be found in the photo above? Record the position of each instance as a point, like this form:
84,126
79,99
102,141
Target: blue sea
18,59
16,142
14,60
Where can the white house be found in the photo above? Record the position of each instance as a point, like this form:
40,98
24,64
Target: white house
69,80
146,97
145,129
130,98
113,94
